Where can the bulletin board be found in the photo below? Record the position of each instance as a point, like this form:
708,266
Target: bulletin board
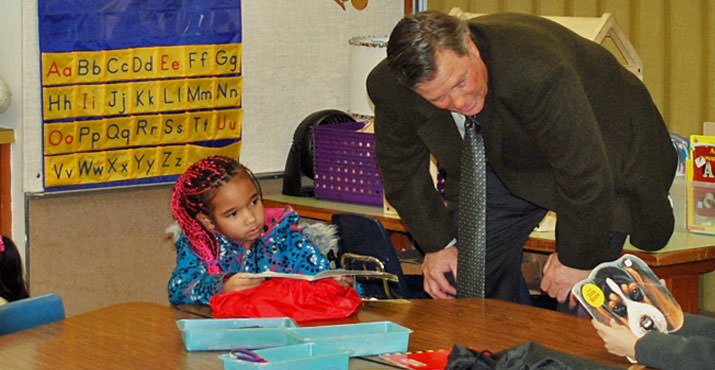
135,91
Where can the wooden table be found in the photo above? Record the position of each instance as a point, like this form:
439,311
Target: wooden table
141,335
680,263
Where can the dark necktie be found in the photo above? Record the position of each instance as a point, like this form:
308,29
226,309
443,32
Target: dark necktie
471,231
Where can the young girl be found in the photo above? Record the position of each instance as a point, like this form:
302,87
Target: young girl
218,205
12,284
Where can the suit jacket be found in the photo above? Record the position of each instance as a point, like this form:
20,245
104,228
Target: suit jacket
565,126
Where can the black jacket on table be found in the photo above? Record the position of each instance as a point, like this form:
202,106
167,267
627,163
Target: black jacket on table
565,126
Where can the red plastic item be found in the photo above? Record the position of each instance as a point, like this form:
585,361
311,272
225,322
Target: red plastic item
298,299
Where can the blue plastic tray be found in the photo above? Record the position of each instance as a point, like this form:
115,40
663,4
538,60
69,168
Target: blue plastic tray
361,339
305,356
226,334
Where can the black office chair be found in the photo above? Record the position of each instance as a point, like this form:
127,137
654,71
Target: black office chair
365,245
300,159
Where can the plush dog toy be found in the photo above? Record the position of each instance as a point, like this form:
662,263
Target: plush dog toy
4,96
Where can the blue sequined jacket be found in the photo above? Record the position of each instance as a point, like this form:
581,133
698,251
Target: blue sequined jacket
282,248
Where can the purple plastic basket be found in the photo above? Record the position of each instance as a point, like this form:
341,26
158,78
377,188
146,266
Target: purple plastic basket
345,167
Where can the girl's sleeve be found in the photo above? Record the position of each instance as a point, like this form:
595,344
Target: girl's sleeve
308,260
692,347
190,282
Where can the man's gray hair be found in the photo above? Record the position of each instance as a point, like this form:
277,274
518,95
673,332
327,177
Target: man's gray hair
414,41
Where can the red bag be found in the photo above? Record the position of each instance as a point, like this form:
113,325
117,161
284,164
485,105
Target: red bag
299,299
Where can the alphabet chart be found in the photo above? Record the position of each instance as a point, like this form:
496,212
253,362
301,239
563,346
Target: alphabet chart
133,91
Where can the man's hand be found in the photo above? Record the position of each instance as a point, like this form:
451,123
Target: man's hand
434,267
558,279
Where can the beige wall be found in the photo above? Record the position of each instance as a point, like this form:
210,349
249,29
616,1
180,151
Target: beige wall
96,248
675,40
295,61
100,248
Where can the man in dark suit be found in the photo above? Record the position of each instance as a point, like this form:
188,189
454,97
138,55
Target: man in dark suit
565,126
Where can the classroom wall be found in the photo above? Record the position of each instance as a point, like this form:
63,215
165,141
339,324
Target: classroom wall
71,242
675,40
98,248
11,73
295,60
101,247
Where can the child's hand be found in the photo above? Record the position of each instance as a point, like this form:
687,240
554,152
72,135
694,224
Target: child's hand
344,280
618,339
236,283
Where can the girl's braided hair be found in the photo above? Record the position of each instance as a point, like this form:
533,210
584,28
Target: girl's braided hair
192,195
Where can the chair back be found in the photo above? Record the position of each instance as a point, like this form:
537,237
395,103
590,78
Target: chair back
364,235
30,312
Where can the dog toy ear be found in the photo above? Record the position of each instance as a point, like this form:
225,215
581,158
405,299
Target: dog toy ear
4,96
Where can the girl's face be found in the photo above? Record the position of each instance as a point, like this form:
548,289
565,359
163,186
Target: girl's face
237,212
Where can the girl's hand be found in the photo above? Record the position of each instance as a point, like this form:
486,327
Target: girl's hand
236,283
344,280
618,339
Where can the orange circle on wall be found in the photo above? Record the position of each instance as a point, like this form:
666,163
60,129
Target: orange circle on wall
359,4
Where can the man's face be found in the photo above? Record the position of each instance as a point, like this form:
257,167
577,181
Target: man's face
460,82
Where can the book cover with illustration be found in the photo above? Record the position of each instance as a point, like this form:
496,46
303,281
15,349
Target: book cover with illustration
626,290
700,171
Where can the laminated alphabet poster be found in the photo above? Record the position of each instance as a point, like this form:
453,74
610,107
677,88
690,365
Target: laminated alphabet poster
134,91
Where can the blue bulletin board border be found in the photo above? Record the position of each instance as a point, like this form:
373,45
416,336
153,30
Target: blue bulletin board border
90,25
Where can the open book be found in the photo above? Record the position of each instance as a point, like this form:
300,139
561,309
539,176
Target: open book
626,290
321,275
